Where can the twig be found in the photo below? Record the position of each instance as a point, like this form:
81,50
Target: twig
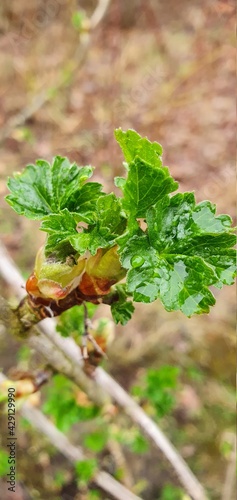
77,59
230,478
74,454
69,352
99,13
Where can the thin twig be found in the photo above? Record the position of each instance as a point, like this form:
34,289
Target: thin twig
230,478
73,453
77,59
69,352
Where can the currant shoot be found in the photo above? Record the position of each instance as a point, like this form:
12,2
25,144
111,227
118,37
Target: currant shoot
159,245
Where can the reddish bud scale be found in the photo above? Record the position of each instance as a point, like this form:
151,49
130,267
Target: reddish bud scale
92,287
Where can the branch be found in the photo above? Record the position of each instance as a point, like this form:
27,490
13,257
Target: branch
57,352
68,349
77,59
72,453
230,478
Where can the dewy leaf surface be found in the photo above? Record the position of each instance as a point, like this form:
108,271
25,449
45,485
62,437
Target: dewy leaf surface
185,250
43,189
147,180
144,186
132,145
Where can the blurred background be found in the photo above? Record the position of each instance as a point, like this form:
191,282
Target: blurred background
166,69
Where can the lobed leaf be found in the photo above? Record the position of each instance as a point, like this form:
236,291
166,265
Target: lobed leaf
185,250
132,145
44,189
122,310
109,223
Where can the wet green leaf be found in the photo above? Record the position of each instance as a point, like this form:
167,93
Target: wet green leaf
109,223
132,145
144,186
186,249
42,189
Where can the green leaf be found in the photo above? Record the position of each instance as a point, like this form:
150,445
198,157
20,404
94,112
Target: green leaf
42,189
60,227
157,387
109,223
4,466
122,310
132,145
84,201
170,492
185,250
110,220
61,404
85,470
71,322
144,186
96,441
138,444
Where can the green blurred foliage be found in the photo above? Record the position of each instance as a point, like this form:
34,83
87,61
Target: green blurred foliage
71,322
96,441
85,470
157,387
170,492
61,404
4,466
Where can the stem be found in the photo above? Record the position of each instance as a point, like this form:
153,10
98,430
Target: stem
64,356
72,453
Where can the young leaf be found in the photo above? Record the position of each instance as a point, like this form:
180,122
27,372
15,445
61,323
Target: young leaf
85,470
122,309
71,322
145,185
109,223
181,255
132,145
96,441
84,201
147,181
60,227
43,189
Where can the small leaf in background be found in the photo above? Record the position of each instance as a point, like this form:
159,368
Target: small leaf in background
131,438
109,224
61,404
78,19
85,470
170,492
4,465
60,478
96,441
139,444
157,387
71,322
94,495
122,309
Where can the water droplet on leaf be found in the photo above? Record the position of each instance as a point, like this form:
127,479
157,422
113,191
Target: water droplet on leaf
137,261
